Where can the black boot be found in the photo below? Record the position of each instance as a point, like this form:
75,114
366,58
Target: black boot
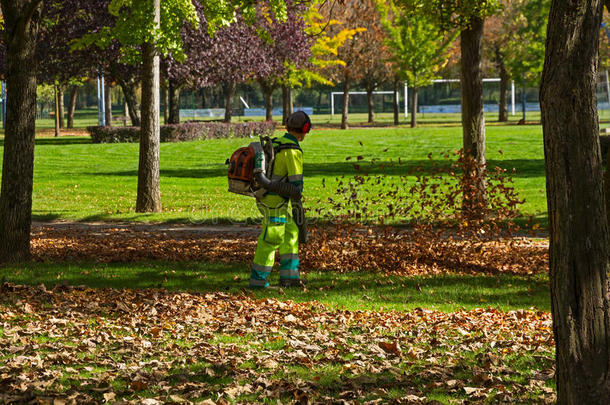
292,282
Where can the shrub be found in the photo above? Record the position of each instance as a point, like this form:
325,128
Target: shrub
114,134
189,131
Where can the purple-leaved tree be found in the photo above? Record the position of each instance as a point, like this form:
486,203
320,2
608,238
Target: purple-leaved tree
286,44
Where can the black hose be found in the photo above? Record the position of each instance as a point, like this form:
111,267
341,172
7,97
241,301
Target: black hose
284,189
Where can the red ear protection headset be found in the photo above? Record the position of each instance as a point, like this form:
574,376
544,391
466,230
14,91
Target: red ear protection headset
307,126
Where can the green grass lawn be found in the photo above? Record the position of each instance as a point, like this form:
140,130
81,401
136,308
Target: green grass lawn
77,180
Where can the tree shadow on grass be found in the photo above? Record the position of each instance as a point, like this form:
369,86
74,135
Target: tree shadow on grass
525,168
61,141
362,289
46,217
185,219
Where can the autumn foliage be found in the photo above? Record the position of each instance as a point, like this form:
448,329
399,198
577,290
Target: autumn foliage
447,228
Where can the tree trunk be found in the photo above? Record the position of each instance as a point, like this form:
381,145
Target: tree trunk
269,106
126,110
578,248
287,107
174,103
165,95
56,94
129,91
371,105
285,104
523,103
607,186
60,105
345,106
319,98
21,21
396,104
108,103
414,96
72,106
149,189
268,94
229,89
504,78
473,118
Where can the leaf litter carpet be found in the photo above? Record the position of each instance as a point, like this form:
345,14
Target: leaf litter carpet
74,344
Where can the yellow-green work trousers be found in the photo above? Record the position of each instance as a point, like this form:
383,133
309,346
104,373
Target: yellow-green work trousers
279,233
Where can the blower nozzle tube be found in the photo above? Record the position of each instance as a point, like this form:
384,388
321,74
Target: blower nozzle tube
284,189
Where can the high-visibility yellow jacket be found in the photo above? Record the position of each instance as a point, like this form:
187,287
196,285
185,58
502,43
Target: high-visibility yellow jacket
287,166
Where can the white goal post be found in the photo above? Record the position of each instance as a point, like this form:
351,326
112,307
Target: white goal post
406,94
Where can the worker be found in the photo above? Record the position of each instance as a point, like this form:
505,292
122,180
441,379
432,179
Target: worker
283,228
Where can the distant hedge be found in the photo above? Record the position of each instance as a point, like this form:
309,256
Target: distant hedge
190,131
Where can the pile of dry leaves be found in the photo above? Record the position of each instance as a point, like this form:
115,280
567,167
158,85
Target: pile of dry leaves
392,251
80,345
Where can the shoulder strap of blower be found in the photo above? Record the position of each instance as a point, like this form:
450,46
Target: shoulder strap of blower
279,146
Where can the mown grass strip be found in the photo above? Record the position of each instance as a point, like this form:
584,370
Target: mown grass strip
353,291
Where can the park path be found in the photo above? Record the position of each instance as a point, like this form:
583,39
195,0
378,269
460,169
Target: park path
179,230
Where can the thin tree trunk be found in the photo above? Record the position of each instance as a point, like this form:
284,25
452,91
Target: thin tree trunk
126,110
56,94
174,103
290,102
72,106
165,95
396,104
268,94
129,91
149,189
21,21
414,95
578,247
60,105
504,78
269,105
229,89
370,105
285,104
523,103
473,118
607,186
345,106
108,103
